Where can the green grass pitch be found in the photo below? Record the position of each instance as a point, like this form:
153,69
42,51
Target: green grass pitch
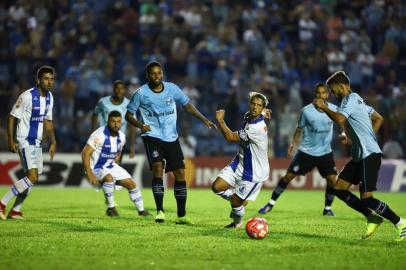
66,228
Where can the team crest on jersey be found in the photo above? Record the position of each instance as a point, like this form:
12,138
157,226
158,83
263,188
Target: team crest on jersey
241,189
155,154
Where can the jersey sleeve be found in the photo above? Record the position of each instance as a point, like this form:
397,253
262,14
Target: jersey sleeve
98,109
135,102
179,96
347,106
256,133
48,116
123,141
18,108
370,110
96,139
302,120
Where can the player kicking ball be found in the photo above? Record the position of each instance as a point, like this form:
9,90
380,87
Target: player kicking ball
242,179
100,157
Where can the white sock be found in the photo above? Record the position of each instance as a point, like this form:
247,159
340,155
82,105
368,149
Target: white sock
108,189
136,197
327,207
226,194
20,199
400,222
238,213
271,202
19,187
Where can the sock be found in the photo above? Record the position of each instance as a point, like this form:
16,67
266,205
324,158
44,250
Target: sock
136,197
381,208
20,199
158,191
180,192
352,201
329,197
19,187
272,202
226,194
401,221
238,214
108,189
280,188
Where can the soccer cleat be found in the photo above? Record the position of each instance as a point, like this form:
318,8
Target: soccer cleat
184,220
15,215
232,225
160,217
144,213
373,222
112,212
328,212
2,211
267,208
401,232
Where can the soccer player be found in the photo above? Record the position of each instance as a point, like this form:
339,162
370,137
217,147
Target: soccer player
116,102
33,111
242,179
366,155
312,138
156,102
100,157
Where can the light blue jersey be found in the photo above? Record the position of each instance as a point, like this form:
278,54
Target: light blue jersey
105,106
317,130
158,110
359,125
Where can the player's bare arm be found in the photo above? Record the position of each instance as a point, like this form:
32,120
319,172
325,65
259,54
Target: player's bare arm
86,154
335,116
131,119
12,146
193,111
377,121
229,135
297,138
49,131
131,136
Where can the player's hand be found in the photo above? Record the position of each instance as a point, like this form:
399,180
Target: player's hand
92,179
209,124
291,150
13,147
132,151
145,128
52,150
319,103
220,115
267,113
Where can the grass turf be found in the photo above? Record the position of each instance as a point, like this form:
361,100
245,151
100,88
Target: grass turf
67,229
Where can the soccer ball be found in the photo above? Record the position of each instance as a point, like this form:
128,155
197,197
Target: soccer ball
256,228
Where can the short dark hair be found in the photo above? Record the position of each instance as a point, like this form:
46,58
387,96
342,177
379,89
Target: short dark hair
338,77
117,83
319,84
152,64
114,114
45,69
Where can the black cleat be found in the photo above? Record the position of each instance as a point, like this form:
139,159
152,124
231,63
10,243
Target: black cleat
232,225
112,212
144,213
328,212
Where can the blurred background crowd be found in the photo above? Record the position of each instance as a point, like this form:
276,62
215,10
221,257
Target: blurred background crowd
216,51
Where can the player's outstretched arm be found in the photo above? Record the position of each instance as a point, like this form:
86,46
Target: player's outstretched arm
377,121
49,129
193,111
229,135
86,153
12,146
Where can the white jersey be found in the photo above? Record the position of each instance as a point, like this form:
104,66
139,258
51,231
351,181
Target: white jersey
251,162
31,109
106,147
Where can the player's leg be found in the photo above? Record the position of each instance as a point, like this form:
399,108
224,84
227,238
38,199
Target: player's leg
327,169
224,183
108,189
135,195
329,195
238,211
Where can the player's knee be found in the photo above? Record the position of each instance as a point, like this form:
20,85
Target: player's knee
215,186
179,175
33,178
108,178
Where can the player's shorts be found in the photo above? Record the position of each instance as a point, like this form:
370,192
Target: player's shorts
160,151
246,190
303,163
117,172
31,158
364,172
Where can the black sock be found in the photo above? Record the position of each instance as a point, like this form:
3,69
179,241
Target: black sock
381,208
329,196
280,188
352,201
158,191
180,191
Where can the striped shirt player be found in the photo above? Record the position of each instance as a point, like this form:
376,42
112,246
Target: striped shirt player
33,114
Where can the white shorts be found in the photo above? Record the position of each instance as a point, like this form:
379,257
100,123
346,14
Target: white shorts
117,172
244,189
31,158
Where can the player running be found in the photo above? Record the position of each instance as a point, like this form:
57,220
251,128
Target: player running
312,138
100,157
242,179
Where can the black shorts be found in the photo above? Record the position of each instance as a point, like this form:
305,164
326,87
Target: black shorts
303,163
364,172
160,151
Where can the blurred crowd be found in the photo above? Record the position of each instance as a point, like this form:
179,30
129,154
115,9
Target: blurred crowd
216,51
